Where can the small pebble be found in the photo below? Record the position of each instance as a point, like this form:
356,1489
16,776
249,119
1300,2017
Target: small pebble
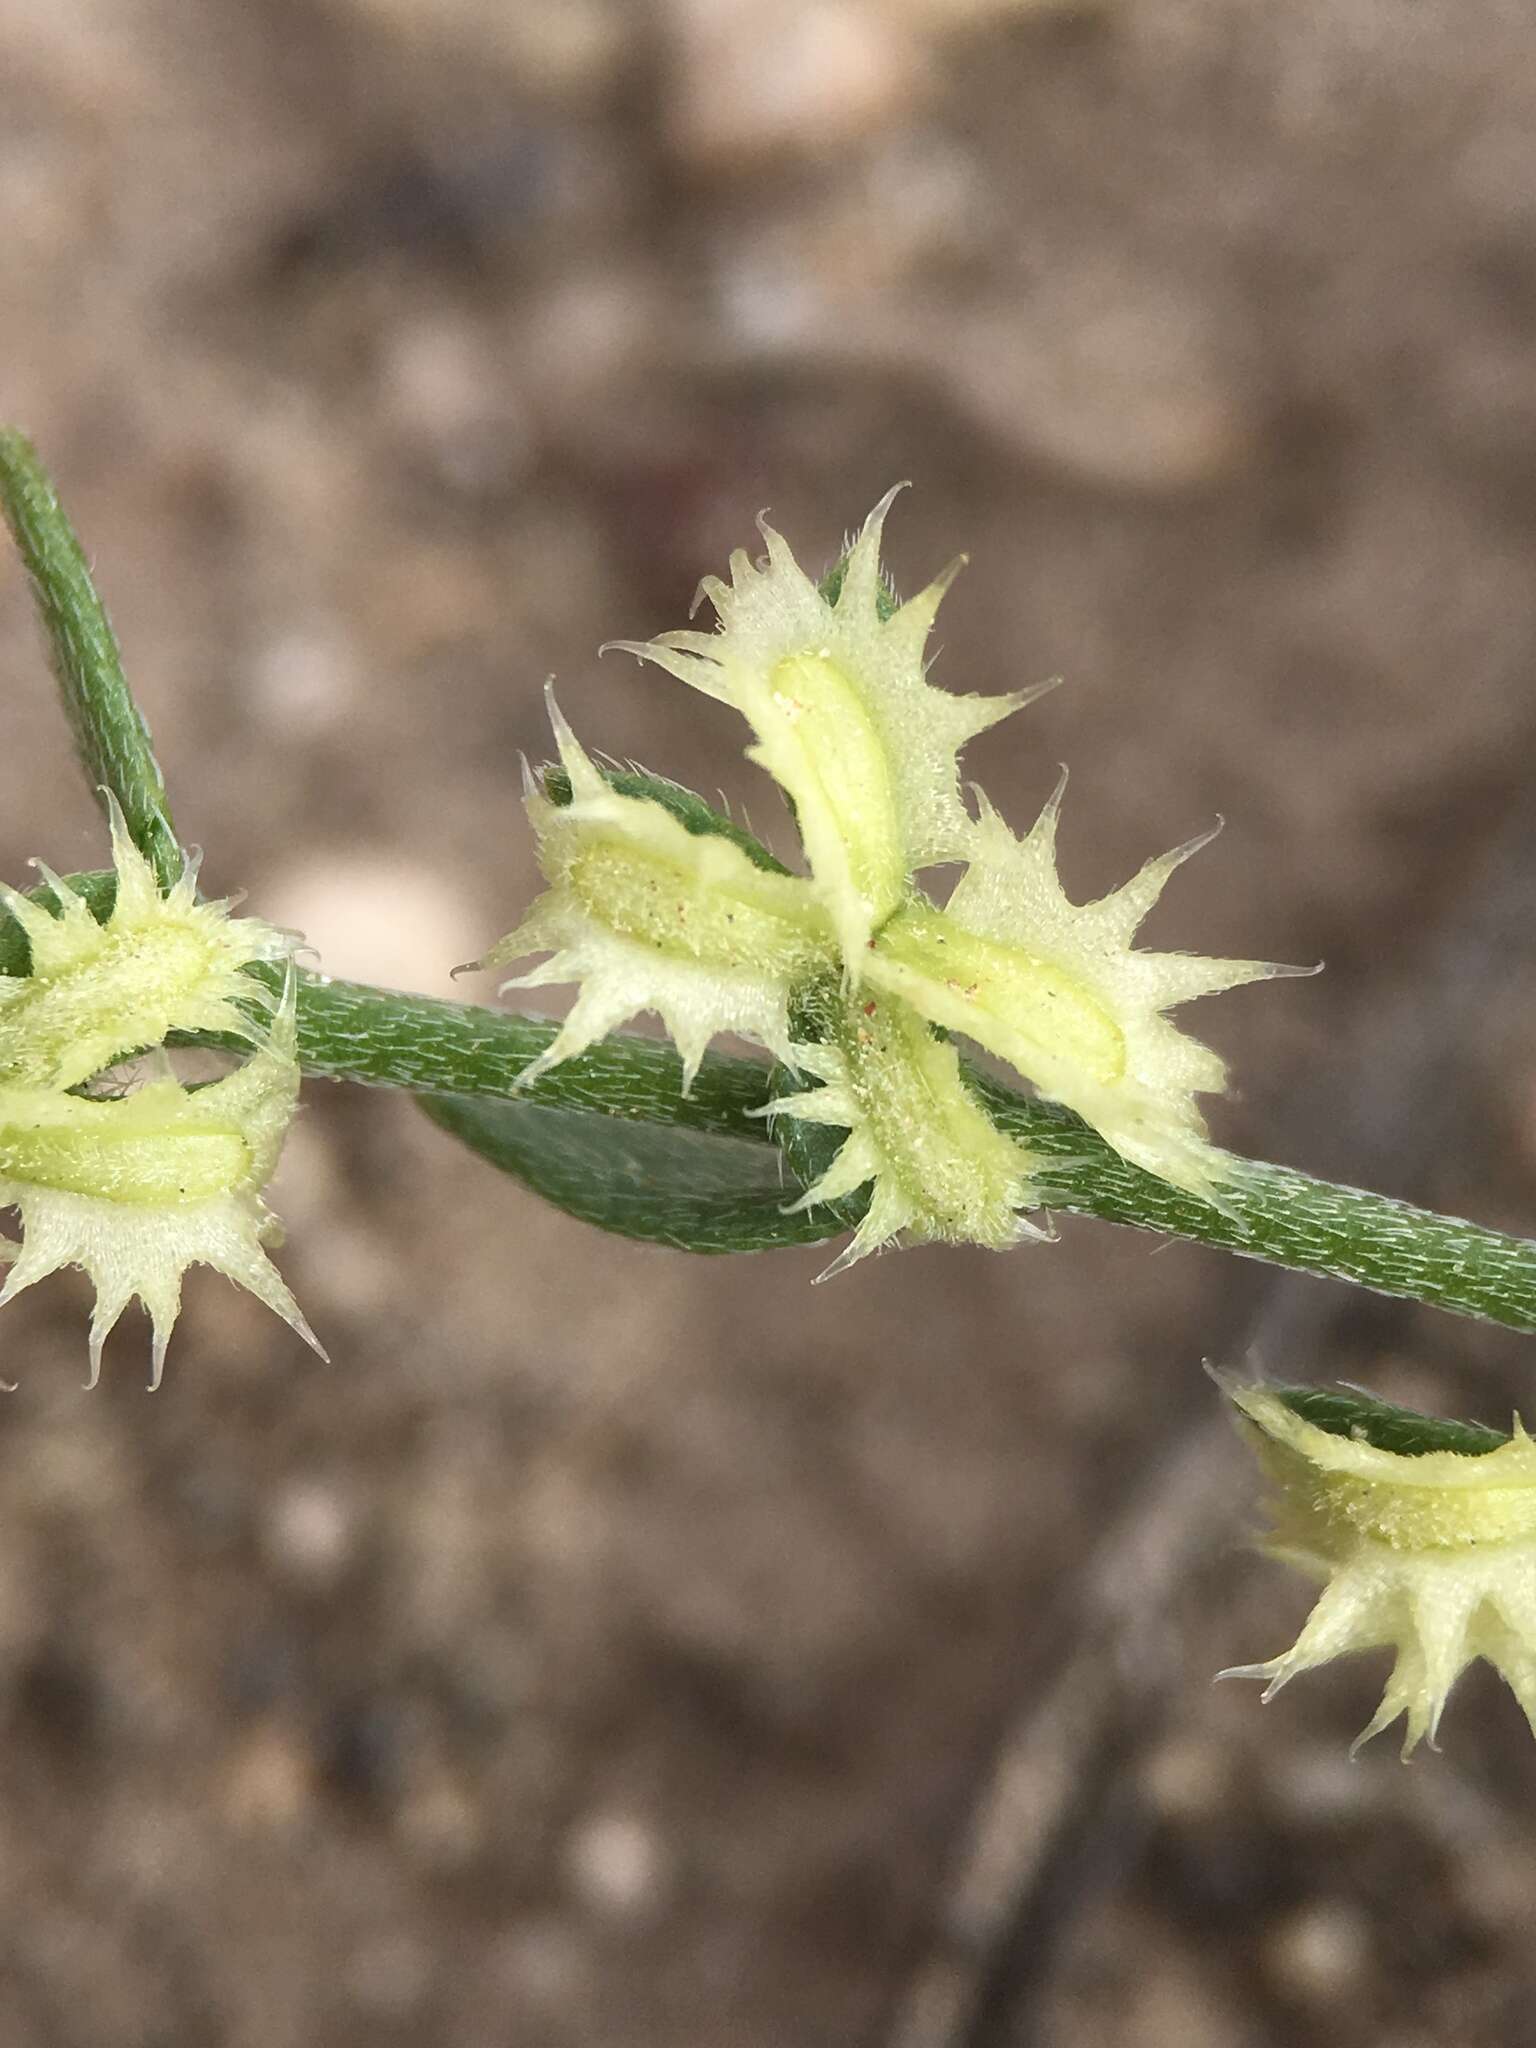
1320,1951
806,78
269,1788
1121,388
311,1533
304,681
1187,1779
616,1865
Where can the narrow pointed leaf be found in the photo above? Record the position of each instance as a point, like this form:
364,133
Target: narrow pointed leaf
661,1184
1350,1412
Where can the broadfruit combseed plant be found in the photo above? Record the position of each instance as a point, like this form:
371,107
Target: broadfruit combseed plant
867,1121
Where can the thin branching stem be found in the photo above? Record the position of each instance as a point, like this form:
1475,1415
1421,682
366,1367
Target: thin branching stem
351,1032
110,734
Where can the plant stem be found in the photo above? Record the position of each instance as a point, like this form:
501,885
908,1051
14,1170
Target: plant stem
1285,1218
110,734
351,1032
1270,1213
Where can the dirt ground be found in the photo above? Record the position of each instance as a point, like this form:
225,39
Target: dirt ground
617,1650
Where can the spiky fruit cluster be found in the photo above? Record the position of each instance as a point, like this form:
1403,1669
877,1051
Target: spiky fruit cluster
643,913
135,1184
1431,1555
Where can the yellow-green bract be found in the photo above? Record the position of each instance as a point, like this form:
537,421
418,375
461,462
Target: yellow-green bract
936,1166
158,964
845,718
1058,991
136,1188
645,915
1432,1556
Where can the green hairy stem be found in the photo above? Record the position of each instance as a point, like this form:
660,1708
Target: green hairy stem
111,737
351,1032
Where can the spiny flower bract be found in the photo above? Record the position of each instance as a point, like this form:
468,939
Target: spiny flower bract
1057,990
1432,1556
937,1167
157,964
136,1188
646,915
844,716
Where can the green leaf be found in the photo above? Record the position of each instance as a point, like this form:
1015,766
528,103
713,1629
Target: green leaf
809,1149
690,811
111,737
665,1185
887,603
98,888
1345,1411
